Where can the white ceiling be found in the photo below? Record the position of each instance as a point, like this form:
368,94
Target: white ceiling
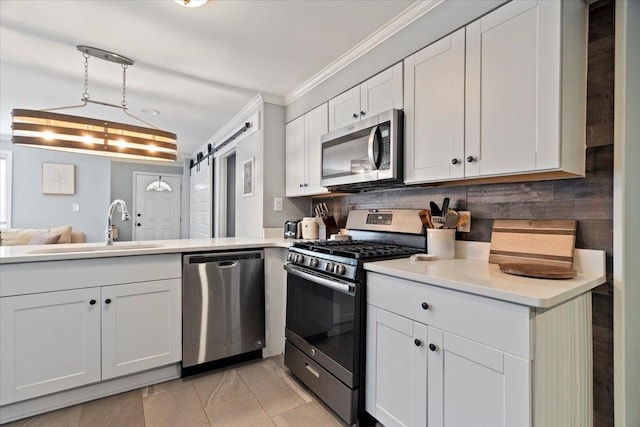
197,66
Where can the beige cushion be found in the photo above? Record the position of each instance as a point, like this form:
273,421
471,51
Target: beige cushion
78,237
21,236
44,239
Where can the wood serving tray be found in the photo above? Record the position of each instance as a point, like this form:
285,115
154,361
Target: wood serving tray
540,271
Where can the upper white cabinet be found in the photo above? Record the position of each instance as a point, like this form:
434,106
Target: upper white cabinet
380,93
303,153
524,89
434,110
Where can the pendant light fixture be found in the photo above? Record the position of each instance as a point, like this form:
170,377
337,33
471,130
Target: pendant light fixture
64,132
191,3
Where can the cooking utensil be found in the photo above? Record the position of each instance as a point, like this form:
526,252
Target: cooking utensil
462,220
451,219
445,206
435,210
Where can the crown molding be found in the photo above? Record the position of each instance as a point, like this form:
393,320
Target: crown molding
395,25
273,99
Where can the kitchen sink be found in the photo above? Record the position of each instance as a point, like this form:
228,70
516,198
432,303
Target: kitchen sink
101,248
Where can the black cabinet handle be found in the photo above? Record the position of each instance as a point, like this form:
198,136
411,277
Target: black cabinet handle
139,214
432,347
107,301
425,306
417,342
470,159
92,302
355,115
454,161
138,224
362,113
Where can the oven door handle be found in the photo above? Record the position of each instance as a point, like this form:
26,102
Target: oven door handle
342,287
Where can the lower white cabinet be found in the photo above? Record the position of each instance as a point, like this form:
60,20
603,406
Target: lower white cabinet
437,357
59,340
49,342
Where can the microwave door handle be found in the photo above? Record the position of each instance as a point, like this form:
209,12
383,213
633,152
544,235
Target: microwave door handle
372,140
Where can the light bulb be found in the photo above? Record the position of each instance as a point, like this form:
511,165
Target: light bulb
191,3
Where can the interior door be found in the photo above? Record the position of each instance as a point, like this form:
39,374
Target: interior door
156,213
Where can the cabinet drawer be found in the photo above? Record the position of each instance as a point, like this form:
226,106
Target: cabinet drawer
498,324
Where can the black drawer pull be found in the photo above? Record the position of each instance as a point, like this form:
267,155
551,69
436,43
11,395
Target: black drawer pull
425,306
432,347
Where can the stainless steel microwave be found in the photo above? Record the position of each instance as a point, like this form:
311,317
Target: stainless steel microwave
364,154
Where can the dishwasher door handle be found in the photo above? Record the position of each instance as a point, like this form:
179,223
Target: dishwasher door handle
227,264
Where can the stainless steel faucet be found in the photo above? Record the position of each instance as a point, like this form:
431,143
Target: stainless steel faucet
108,234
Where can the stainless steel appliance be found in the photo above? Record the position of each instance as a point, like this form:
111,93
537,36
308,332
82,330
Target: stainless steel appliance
293,229
222,305
365,153
326,303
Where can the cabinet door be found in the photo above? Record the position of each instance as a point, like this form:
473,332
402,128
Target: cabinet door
396,372
49,342
316,123
382,92
344,109
295,157
434,111
474,385
141,326
513,89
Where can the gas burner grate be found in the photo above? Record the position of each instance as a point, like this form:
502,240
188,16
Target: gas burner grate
356,249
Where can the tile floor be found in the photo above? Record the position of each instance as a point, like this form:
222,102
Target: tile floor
258,393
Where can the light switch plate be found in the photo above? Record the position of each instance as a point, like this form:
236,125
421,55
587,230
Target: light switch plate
75,207
466,227
277,204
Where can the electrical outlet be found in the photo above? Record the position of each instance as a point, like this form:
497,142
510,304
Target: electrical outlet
277,204
466,227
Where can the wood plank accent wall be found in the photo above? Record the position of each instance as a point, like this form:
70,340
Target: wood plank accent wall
588,200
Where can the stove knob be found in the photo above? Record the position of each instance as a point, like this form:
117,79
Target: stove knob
299,259
313,262
329,267
290,257
340,269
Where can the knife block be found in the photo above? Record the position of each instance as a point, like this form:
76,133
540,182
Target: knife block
326,227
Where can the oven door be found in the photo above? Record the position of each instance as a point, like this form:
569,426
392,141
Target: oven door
322,319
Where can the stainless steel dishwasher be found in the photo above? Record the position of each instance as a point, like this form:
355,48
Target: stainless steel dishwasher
222,305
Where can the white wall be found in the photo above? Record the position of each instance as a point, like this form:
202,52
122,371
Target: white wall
32,209
626,234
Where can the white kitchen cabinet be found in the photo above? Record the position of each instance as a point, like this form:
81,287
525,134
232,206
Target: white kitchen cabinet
524,89
65,324
434,111
49,342
303,153
140,326
445,358
380,93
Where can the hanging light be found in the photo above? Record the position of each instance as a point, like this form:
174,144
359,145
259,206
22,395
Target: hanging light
191,3
64,132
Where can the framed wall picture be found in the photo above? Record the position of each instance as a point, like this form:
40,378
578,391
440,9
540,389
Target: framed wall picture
58,178
247,167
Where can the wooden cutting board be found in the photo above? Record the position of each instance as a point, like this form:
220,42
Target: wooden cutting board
541,271
548,242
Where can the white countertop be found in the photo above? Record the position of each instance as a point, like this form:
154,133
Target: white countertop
21,254
477,276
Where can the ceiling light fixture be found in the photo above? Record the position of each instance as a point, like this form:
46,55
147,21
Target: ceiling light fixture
64,132
191,3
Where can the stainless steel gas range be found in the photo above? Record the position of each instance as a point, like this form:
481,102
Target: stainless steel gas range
326,303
